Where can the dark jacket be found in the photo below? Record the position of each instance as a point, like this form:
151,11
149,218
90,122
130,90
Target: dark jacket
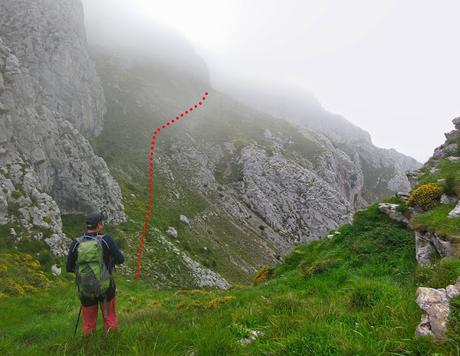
112,256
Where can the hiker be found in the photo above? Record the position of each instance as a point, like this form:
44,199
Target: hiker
92,257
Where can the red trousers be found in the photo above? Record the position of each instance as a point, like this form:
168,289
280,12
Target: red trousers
90,316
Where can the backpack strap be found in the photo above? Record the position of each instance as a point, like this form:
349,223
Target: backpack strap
101,238
78,240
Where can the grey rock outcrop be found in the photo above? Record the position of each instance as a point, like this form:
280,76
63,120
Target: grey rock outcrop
435,304
294,200
392,211
450,147
204,277
448,199
172,232
429,245
55,270
51,95
48,38
382,171
183,219
456,123
455,213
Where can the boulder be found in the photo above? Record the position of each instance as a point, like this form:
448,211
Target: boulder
253,335
453,135
172,231
456,122
435,304
449,199
58,245
403,196
455,213
392,212
184,219
429,245
55,270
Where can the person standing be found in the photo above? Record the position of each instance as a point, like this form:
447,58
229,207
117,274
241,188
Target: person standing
92,258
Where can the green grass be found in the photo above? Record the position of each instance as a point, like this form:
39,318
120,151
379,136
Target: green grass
440,274
445,168
358,298
437,220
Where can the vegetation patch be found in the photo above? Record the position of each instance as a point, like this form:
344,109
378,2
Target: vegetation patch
308,269
21,274
438,221
438,275
427,196
453,326
263,275
216,302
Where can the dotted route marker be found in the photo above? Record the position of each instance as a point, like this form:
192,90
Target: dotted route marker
149,217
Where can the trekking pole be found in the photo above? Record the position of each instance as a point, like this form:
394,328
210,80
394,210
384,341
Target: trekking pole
78,319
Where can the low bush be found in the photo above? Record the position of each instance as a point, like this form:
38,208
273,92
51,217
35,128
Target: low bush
427,196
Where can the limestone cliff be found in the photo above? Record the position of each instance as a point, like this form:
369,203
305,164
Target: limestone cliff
50,98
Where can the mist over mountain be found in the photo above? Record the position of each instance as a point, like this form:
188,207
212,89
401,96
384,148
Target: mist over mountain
252,220
239,155
255,172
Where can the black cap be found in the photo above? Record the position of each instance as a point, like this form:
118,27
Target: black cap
92,219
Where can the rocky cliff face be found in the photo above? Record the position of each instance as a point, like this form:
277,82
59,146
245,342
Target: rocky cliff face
379,171
263,184
50,96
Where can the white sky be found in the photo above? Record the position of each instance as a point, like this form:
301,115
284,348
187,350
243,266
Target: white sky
390,66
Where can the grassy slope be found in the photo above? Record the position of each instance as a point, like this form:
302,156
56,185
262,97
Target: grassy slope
351,295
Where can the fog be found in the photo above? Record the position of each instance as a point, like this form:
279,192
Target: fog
389,66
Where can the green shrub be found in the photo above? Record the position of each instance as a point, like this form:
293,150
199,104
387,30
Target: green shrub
263,275
216,302
427,196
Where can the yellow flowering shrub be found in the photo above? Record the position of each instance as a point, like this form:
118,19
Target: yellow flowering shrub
13,288
28,288
21,274
427,196
218,301
190,305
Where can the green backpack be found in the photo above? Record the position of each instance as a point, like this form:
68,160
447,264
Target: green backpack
92,276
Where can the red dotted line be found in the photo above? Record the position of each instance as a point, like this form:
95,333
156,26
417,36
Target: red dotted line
148,216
